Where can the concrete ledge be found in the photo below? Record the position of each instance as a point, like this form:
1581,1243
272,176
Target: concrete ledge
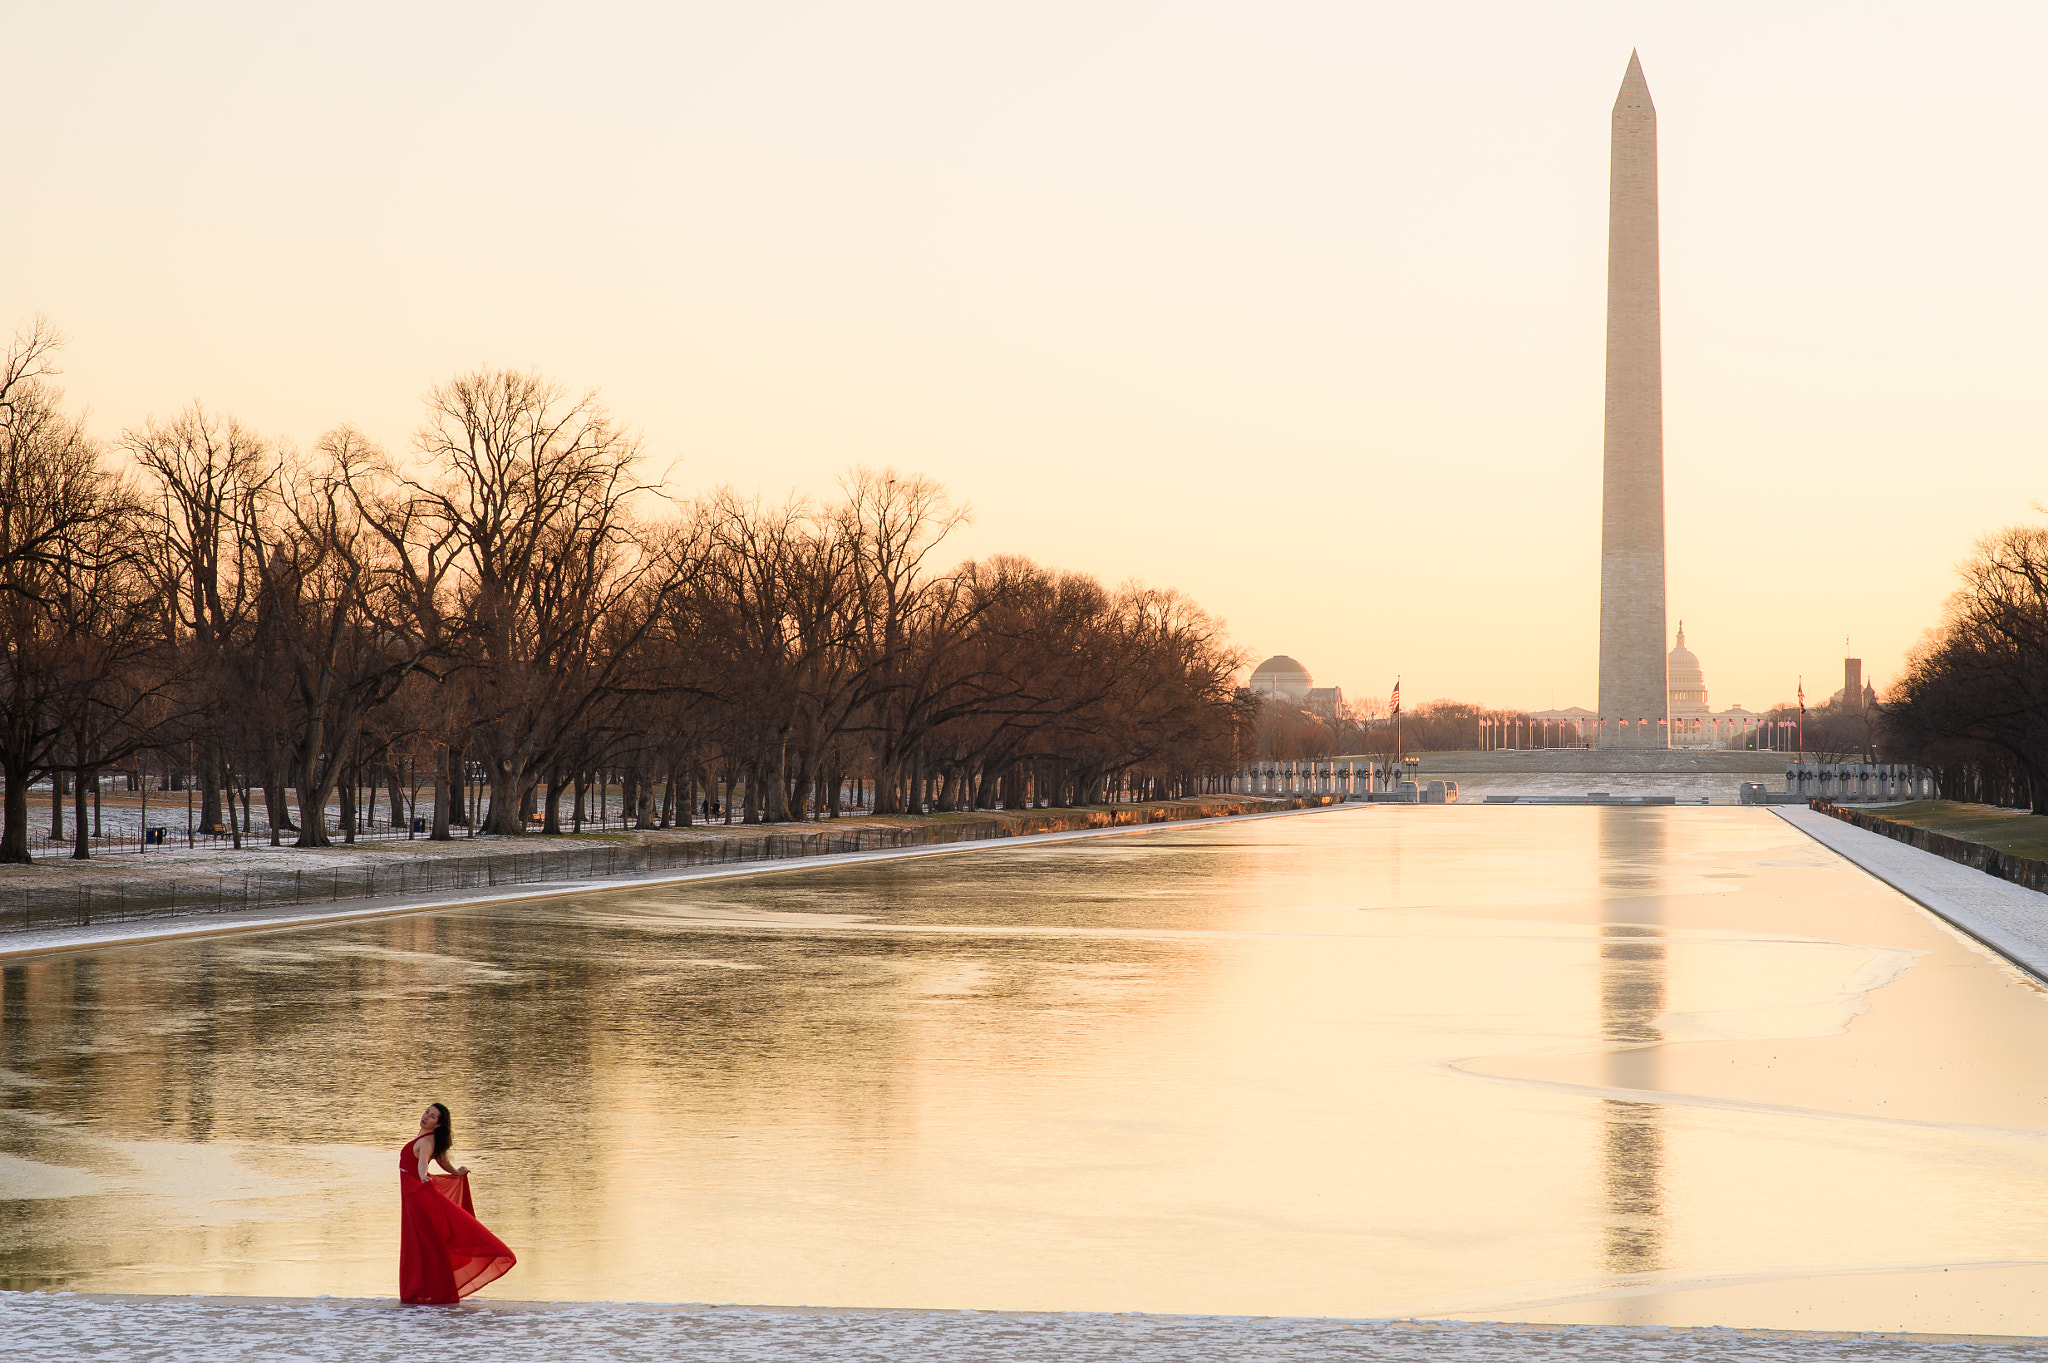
2009,919
1992,861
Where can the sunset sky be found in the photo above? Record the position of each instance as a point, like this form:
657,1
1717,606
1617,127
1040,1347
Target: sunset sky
1297,308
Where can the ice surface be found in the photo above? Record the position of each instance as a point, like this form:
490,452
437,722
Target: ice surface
175,1329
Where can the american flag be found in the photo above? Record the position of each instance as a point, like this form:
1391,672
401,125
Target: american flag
1395,708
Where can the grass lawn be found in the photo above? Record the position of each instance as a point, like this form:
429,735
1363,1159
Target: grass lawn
2009,830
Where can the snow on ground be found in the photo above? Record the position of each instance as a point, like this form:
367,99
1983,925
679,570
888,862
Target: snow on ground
121,815
214,857
2011,919
178,1329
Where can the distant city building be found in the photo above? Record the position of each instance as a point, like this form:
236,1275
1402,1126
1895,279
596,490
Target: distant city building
1279,676
1693,722
1687,685
1852,683
1326,702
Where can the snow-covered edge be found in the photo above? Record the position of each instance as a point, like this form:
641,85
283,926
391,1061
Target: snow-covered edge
1959,895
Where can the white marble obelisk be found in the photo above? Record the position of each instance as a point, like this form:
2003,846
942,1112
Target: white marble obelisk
1634,701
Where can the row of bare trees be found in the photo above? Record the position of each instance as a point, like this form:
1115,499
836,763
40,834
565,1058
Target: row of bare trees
1973,703
516,597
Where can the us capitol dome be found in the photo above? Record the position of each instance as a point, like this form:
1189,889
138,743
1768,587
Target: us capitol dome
1682,674
1694,724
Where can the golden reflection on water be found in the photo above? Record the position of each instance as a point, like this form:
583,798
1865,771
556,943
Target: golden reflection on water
1631,1001
1678,1066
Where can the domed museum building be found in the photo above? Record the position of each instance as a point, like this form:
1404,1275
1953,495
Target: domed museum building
1280,675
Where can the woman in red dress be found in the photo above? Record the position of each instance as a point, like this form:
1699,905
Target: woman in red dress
444,1253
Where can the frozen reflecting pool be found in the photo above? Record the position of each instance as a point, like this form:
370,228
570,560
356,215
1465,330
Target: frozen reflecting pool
1678,1066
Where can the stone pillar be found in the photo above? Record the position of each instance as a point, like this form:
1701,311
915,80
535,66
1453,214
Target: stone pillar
1632,680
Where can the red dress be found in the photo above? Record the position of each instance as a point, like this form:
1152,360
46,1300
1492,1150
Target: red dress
444,1253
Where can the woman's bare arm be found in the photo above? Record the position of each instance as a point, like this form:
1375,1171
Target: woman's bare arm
423,1150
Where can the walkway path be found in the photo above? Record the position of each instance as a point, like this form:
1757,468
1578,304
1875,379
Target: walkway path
208,1329
2008,918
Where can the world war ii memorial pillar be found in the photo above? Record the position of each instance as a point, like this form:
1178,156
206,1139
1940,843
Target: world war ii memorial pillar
1634,701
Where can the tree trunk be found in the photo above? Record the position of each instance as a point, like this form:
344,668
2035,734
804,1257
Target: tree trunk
888,784
210,783
458,786
234,823
56,806
444,792
512,787
312,809
347,788
551,821
636,809
775,793
801,804
274,782
81,843
14,826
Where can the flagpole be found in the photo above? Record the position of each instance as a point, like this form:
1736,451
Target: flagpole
1397,726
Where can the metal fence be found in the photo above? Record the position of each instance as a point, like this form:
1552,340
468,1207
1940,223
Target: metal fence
169,822
109,901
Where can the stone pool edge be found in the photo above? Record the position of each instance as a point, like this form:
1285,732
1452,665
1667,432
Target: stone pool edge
2008,919
1416,1329
60,941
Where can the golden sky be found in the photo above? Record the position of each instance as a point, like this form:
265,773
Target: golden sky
1297,308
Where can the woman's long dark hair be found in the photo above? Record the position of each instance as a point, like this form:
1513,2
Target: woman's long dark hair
444,1134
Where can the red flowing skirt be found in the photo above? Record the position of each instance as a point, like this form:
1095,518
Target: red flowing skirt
444,1252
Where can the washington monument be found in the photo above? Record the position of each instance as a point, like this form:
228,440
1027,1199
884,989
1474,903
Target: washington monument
1634,703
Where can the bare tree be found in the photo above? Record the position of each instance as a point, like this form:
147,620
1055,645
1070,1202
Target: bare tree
533,490
212,476
335,606
68,621
1977,687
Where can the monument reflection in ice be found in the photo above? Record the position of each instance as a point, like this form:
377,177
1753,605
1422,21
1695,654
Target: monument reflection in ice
1632,963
